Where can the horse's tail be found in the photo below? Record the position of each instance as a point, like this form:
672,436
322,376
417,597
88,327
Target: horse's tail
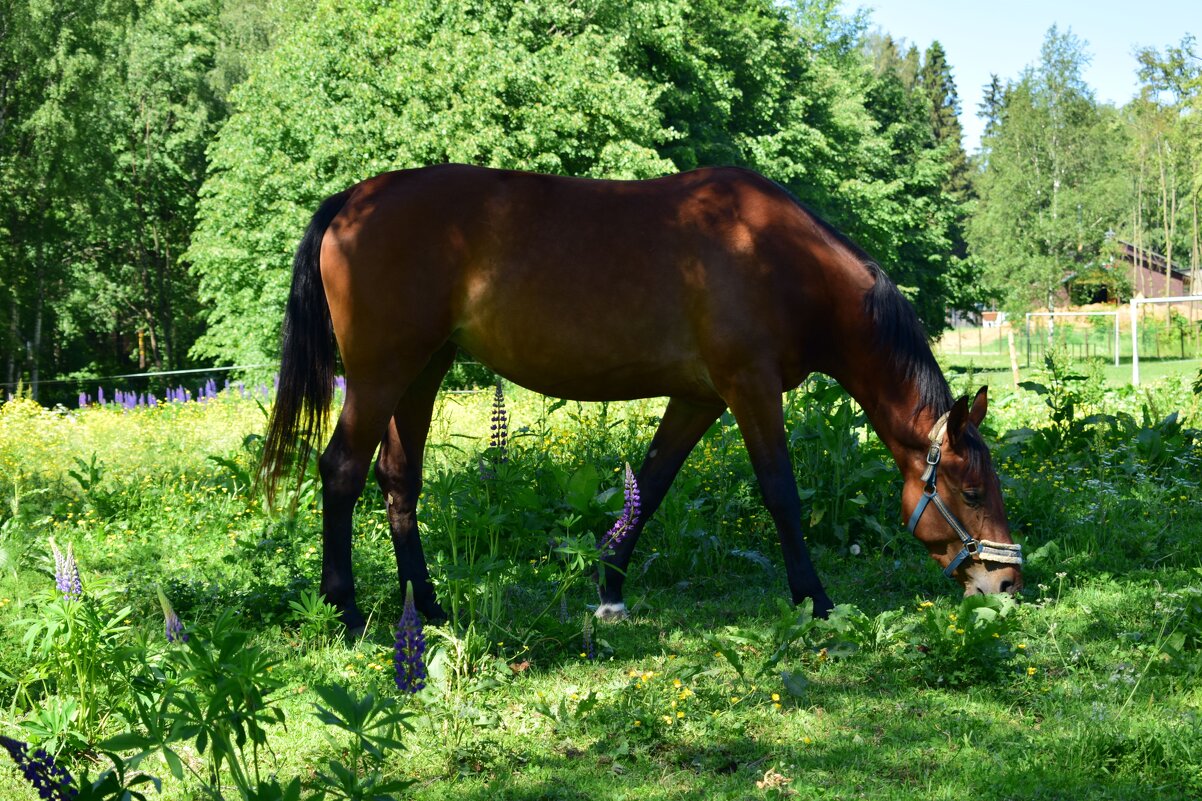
306,383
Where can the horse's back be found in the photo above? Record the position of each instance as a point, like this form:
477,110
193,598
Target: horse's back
575,287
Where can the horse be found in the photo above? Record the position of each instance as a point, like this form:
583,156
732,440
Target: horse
715,288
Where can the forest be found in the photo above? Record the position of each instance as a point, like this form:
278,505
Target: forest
159,158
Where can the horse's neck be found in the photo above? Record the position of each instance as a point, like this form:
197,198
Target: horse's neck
890,399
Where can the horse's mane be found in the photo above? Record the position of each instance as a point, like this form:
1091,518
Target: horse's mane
899,333
895,326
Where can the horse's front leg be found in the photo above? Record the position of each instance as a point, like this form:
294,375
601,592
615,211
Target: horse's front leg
683,424
755,400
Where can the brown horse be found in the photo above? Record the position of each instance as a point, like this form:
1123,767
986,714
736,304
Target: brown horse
715,288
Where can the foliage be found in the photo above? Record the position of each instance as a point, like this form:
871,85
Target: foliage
1050,187
966,645
596,89
107,113
714,671
839,467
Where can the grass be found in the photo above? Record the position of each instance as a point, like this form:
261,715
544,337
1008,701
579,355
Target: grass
1094,692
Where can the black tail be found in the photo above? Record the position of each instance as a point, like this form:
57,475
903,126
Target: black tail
306,382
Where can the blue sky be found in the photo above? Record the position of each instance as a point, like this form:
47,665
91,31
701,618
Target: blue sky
1004,36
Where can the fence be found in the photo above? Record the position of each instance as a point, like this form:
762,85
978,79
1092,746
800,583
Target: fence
1184,327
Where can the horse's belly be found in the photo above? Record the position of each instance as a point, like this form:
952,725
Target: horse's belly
580,367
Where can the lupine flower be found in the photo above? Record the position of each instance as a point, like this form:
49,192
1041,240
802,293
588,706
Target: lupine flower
52,782
500,424
630,514
590,651
66,573
83,399
100,395
172,626
410,647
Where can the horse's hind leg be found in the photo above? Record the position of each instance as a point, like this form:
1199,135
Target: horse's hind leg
371,398
683,424
756,403
399,473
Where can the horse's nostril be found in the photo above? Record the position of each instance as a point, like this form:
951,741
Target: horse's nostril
1007,586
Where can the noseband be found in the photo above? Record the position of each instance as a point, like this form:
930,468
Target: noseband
985,550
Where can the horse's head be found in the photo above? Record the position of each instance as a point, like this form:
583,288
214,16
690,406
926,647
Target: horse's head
955,508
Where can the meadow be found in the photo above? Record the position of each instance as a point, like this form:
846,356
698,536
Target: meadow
1086,687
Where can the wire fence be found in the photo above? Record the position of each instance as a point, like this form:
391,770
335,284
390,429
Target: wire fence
1171,332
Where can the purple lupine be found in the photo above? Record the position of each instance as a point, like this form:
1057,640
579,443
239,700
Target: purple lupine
172,626
100,395
629,517
51,781
410,647
83,399
499,438
66,573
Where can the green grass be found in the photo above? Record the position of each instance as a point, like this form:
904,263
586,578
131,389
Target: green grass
1096,695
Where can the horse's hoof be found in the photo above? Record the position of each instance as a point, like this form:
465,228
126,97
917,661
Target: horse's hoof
611,611
434,615
354,622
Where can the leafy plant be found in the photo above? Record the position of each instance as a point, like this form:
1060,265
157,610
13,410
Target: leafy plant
842,476
966,644
78,650
374,726
317,619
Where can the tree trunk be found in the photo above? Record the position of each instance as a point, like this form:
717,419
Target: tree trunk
38,314
14,338
1195,271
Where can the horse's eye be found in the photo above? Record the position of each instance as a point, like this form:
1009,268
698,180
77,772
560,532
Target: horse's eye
972,497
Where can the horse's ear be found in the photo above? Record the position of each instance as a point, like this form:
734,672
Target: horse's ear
980,405
957,419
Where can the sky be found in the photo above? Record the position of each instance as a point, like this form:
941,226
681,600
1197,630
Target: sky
1004,36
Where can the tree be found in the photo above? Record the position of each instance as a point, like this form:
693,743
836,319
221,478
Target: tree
1167,116
601,88
1047,189
105,114
937,83
49,153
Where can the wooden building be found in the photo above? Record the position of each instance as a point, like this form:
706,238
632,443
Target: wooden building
1146,270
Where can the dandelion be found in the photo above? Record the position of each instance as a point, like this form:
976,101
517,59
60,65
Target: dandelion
50,780
410,647
629,517
66,573
172,626
1031,671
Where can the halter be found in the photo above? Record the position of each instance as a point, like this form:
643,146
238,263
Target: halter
985,550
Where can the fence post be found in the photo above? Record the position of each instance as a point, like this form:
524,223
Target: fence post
1134,342
1116,338
1027,333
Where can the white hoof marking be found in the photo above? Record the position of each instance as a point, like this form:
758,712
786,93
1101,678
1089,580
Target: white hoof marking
611,612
